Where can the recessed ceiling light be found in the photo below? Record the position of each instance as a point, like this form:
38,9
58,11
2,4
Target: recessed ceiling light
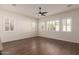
69,5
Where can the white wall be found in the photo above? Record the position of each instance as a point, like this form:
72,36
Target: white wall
22,27
66,36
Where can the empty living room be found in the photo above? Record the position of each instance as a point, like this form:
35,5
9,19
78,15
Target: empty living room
39,29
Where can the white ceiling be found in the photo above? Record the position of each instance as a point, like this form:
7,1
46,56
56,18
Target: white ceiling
31,10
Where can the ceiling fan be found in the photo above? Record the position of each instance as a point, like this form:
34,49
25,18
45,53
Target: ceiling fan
41,12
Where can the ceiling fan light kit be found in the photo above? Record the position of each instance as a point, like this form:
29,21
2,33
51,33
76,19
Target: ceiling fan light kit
41,12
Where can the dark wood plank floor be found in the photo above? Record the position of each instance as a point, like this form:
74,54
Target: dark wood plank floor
41,46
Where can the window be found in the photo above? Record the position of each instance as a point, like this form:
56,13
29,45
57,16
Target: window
49,25
57,25
33,25
53,25
69,24
9,24
66,25
42,26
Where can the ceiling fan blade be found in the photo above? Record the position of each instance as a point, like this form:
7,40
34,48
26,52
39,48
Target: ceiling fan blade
42,13
45,12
